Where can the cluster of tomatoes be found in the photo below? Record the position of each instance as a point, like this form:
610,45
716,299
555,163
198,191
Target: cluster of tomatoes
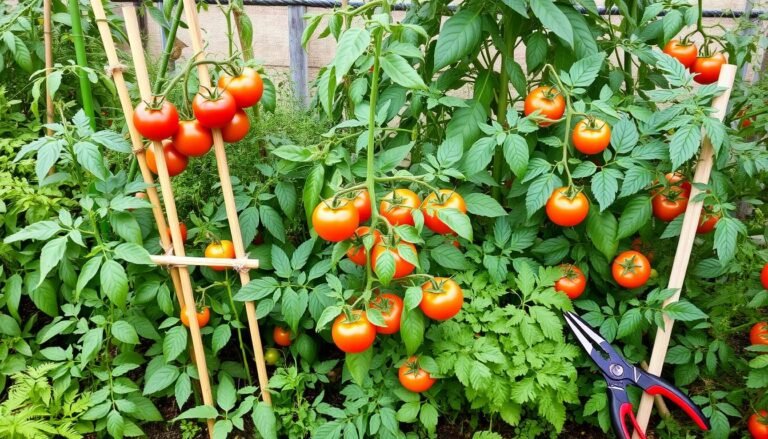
758,335
338,219
221,108
705,69
630,269
670,202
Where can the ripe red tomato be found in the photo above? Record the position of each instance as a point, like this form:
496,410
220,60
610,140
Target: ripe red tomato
203,316
214,111
631,269
246,88
707,222
282,336
397,206
391,307
335,222
434,203
192,139
667,205
706,70
573,283
685,53
764,276
156,124
758,425
355,334
357,253
746,122
591,136
174,160
362,202
236,129
402,267
759,333
548,101
679,180
414,378
182,229
271,356
567,211
220,250
441,298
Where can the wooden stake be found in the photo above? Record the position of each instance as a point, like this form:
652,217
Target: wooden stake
685,243
137,51
48,62
229,201
205,262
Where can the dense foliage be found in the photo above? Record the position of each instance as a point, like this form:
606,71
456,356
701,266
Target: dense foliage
433,100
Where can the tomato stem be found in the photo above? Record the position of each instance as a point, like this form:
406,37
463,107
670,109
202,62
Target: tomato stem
370,178
568,117
503,98
239,326
169,42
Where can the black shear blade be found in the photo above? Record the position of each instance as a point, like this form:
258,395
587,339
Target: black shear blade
584,333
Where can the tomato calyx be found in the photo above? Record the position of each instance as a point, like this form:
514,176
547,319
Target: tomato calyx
155,103
412,366
571,192
594,124
629,265
212,94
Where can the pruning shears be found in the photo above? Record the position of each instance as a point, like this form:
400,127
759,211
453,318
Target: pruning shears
618,373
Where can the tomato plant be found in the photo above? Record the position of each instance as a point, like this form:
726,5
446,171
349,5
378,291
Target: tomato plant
591,136
567,207
573,283
246,87
353,333
358,253
215,109
436,203
397,206
335,220
546,102
413,377
758,425
394,259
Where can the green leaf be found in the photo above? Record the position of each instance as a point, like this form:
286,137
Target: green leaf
401,72
726,237
249,222
684,311
125,332
392,157
112,140
483,205
312,188
408,412
174,343
221,336
458,36
293,306
605,185
352,45
286,197
584,71
144,409
133,253
257,289
160,379
624,136
385,267
539,192
635,179
428,416
672,23
273,221
584,169
126,226
450,257
516,154
114,283
457,221
553,19
536,47
518,6
450,151
630,322
465,123
39,231
199,412
226,396
329,314
636,214
183,389
90,158
12,292
412,330
45,298
91,343
684,144
269,96
51,255
358,365
602,231
47,156
115,424
479,155
265,421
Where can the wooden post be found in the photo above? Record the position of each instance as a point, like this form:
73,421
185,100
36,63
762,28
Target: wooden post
298,56
193,22
142,77
685,243
204,262
48,62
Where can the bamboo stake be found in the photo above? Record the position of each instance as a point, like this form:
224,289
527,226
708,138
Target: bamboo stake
142,78
204,262
229,201
685,243
136,139
48,62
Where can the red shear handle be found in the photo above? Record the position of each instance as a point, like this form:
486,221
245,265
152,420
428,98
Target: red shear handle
654,385
620,409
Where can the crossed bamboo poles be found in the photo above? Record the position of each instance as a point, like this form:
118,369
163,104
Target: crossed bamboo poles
178,262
